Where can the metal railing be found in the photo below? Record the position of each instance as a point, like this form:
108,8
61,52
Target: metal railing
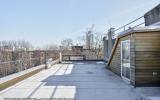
10,67
135,23
16,61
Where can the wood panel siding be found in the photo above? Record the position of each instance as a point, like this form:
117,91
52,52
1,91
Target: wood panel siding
132,60
144,57
115,64
116,61
147,58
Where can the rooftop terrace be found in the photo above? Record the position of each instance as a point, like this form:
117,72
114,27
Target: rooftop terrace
77,80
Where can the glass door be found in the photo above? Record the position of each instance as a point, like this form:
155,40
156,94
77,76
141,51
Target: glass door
125,60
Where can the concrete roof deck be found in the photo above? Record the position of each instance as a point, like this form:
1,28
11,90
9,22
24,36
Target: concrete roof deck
78,80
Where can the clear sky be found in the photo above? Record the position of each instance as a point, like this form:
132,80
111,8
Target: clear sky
49,21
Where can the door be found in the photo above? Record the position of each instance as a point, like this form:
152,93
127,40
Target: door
125,60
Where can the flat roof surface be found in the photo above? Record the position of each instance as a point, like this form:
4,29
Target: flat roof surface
78,80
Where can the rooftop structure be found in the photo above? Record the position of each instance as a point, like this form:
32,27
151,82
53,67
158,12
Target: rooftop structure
152,17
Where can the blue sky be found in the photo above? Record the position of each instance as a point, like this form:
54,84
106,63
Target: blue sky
49,21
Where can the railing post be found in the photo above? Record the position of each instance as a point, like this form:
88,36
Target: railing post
60,57
21,65
46,60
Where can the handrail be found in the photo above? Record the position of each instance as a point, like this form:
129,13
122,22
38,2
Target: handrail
117,39
10,61
139,24
124,26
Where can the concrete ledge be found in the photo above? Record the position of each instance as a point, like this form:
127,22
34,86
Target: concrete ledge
10,80
94,60
55,62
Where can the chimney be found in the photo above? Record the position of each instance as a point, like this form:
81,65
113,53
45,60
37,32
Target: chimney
110,40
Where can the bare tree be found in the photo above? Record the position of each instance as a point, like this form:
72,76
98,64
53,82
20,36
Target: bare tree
66,44
15,45
98,44
81,40
51,47
24,45
8,46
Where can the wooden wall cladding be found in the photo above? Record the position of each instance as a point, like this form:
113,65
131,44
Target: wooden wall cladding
147,58
115,64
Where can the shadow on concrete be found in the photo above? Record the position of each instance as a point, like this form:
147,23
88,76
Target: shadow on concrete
86,81
77,75
78,79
